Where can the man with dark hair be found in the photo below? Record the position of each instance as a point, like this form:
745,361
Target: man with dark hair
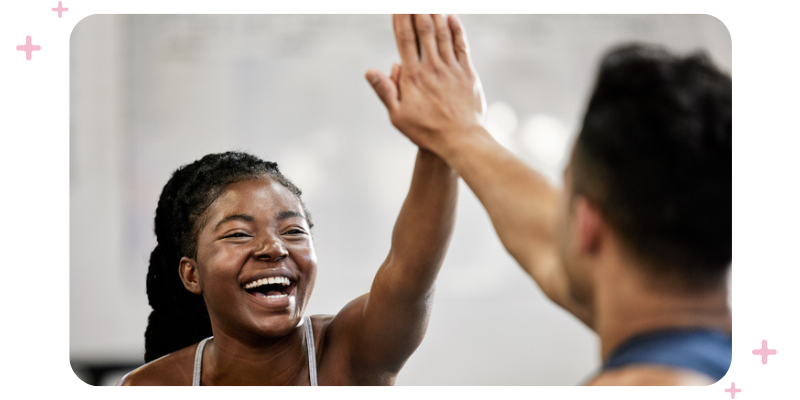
637,244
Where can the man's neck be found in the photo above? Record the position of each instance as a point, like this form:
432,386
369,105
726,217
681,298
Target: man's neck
628,303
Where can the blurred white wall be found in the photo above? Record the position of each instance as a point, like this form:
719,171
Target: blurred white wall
150,93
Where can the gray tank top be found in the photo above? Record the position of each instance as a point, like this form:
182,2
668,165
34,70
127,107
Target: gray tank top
312,357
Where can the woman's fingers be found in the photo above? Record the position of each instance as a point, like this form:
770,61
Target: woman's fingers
461,48
406,39
444,39
385,88
395,75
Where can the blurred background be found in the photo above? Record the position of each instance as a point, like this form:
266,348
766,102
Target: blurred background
149,93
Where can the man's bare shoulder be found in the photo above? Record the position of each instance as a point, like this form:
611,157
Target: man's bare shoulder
647,375
174,369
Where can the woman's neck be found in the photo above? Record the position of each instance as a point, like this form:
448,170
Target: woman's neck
230,361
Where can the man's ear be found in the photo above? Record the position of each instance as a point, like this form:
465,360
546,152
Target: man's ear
189,275
590,226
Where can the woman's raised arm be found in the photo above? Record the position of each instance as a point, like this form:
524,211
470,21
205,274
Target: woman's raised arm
381,329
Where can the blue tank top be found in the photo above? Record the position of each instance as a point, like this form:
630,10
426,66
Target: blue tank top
702,350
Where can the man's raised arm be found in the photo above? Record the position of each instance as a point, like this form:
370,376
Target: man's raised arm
440,106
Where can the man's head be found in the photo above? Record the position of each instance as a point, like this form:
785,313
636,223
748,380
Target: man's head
652,163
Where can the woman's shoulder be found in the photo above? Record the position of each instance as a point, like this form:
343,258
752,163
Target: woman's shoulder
321,320
174,369
320,324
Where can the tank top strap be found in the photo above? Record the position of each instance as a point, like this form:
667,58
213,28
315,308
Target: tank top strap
198,361
312,355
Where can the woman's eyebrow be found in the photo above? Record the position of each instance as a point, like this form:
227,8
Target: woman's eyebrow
236,217
289,214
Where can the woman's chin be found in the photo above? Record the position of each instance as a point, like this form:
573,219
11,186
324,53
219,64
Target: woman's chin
278,326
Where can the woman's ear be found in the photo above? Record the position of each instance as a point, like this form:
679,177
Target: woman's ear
190,276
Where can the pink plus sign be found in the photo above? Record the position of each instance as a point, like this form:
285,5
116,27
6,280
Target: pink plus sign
764,352
733,390
60,9
28,48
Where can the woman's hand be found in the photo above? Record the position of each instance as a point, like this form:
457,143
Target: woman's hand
436,92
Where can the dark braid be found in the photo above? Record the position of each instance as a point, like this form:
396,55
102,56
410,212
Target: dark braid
179,317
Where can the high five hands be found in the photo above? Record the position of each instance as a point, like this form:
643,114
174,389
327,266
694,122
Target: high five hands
435,94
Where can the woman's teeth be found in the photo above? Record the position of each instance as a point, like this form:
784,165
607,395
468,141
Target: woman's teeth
274,280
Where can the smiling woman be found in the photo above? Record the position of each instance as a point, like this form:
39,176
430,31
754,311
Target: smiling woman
179,317
255,248
234,268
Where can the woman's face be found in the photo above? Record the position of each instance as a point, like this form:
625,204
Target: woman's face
255,259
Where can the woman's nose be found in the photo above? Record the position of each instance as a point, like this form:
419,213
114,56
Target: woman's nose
271,250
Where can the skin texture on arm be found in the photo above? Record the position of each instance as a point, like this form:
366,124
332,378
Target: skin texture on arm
522,206
381,329
438,103
378,331
395,314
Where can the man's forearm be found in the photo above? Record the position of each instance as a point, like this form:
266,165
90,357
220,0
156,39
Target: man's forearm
520,202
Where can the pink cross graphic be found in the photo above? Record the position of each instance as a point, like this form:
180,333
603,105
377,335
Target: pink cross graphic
764,352
733,390
28,48
60,9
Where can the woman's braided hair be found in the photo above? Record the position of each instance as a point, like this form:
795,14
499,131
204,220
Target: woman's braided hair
179,317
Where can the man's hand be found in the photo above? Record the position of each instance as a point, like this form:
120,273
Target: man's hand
436,93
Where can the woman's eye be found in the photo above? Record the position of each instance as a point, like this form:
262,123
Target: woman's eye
295,232
237,235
